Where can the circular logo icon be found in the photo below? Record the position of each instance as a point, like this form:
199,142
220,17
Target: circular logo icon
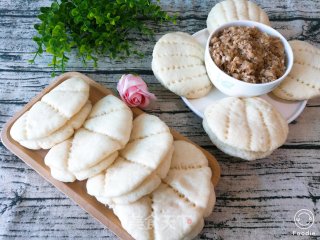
304,219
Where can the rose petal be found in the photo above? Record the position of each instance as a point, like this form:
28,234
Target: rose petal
133,81
120,85
133,90
145,102
135,100
148,94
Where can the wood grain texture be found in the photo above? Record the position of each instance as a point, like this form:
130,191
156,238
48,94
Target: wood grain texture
255,200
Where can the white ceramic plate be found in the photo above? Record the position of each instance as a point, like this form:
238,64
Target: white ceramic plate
290,110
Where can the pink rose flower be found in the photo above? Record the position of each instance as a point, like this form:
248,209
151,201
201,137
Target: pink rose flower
134,91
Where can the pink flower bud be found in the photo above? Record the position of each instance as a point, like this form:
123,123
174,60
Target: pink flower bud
134,91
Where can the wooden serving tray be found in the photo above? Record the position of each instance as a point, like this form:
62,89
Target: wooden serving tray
77,190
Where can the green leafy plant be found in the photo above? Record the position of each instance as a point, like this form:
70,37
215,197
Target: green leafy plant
93,28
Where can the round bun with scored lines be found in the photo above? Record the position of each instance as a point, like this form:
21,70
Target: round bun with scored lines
178,64
175,210
248,128
140,165
233,10
55,117
303,82
95,146
96,185
57,136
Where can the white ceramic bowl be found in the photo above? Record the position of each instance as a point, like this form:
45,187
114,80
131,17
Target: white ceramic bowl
237,88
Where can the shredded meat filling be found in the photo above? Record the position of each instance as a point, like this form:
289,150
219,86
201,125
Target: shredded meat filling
248,54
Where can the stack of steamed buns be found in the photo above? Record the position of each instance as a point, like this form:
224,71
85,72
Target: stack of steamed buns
159,188
248,128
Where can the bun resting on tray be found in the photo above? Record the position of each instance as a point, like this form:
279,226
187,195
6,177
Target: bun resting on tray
178,64
55,117
175,210
95,146
303,81
248,128
233,10
141,165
